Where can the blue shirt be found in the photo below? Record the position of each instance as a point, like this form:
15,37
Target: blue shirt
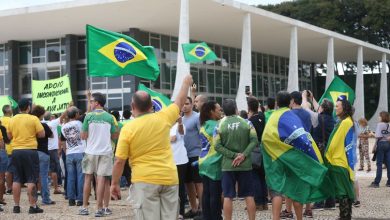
305,118
191,137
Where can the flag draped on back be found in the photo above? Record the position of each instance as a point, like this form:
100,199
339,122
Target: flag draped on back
292,161
337,88
198,52
159,101
112,54
209,159
339,157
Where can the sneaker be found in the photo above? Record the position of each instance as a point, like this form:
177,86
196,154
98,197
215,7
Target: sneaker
190,214
72,202
356,204
83,211
107,211
49,203
388,184
1,209
35,210
368,170
79,203
265,207
99,213
374,185
286,215
9,192
39,193
308,214
361,169
16,209
318,206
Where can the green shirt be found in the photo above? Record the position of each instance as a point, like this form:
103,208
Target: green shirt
268,114
235,135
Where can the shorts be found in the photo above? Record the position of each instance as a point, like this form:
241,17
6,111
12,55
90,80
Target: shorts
54,161
26,166
100,165
10,167
3,161
244,180
192,172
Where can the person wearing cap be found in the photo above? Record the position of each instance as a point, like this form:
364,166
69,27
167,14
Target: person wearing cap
24,129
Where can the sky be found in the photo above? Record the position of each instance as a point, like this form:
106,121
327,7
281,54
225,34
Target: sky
11,4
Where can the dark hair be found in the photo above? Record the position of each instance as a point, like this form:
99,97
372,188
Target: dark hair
271,103
116,115
6,108
327,106
244,114
72,112
262,108
189,99
24,104
205,112
384,116
38,111
283,99
297,97
142,103
126,114
229,107
253,104
347,108
99,98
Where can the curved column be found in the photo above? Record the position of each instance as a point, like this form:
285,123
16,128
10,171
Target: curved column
246,64
182,68
293,79
330,63
359,88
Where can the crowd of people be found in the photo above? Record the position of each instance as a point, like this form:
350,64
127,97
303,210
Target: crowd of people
194,151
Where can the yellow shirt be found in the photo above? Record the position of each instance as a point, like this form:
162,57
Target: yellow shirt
24,128
5,122
145,142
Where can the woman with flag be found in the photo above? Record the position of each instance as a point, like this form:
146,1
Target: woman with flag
210,162
339,157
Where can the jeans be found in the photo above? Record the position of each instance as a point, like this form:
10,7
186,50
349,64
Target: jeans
44,163
75,178
260,186
382,156
211,200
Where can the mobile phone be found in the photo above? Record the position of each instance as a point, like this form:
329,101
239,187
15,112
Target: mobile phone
247,90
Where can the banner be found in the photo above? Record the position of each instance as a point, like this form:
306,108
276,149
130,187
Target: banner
53,94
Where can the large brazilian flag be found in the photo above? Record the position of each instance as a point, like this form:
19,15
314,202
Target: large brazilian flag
159,101
111,54
292,161
209,159
340,158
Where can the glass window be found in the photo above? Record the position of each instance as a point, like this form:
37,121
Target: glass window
114,82
63,46
202,77
81,49
259,85
277,69
53,75
114,104
99,86
265,63
226,87
2,55
271,68
26,82
24,55
81,79
82,104
173,45
165,73
39,73
254,86
266,87
277,84
259,63
165,43
219,100
1,84
233,83
233,57
53,53
218,81
38,48
126,101
98,79
210,81
217,51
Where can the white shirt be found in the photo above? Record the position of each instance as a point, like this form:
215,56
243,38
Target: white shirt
53,142
71,131
178,149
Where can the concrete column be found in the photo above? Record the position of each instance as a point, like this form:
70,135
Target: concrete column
330,63
246,64
359,88
12,78
382,103
293,79
183,68
71,64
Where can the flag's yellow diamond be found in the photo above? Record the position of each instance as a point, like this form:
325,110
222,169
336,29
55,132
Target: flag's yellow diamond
199,51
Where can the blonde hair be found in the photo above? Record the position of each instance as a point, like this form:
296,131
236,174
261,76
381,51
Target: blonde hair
363,122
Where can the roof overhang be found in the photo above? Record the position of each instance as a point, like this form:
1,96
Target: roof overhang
214,21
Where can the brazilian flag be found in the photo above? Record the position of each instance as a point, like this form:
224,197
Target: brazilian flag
7,100
340,158
159,101
198,52
111,54
293,164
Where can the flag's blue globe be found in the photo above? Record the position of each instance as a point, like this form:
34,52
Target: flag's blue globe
124,52
200,51
157,106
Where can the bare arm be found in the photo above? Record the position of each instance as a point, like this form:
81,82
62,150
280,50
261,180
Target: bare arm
88,94
182,96
180,126
193,91
41,134
84,135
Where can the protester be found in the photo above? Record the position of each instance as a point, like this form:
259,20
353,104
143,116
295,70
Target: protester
244,114
199,100
3,168
23,130
382,133
270,108
235,140
258,121
145,143
44,158
75,147
192,143
98,129
7,112
210,163
364,145
339,157
180,156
